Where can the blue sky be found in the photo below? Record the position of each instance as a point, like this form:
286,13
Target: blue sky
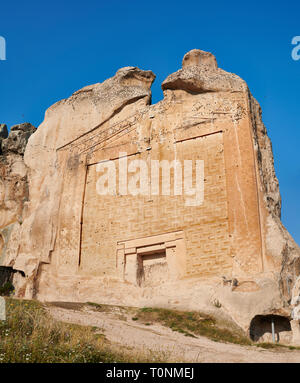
56,47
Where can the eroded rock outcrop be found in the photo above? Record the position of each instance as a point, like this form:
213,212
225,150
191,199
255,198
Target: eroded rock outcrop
229,255
13,186
200,74
3,135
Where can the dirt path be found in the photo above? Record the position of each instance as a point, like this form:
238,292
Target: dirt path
175,346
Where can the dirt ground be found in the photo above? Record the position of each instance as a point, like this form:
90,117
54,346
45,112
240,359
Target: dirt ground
174,346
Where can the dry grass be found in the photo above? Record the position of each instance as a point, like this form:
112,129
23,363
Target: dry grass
281,346
190,324
30,335
195,323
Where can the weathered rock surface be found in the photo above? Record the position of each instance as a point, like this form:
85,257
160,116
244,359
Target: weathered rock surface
13,184
3,135
73,244
17,139
200,73
3,131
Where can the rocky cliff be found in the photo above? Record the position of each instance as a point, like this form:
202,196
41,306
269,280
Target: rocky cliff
14,192
46,227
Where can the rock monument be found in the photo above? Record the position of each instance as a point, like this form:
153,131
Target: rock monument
142,243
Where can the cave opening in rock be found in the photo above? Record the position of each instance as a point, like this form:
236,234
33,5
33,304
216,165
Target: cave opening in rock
261,328
7,279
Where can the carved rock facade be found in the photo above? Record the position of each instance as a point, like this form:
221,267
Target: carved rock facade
229,255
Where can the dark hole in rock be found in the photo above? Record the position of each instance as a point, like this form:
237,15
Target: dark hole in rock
6,274
261,327
6,279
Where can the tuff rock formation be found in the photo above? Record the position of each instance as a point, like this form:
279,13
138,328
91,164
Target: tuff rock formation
13,184
229,255
3,135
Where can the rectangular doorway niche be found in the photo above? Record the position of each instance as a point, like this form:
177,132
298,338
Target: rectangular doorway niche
151,261
152,268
